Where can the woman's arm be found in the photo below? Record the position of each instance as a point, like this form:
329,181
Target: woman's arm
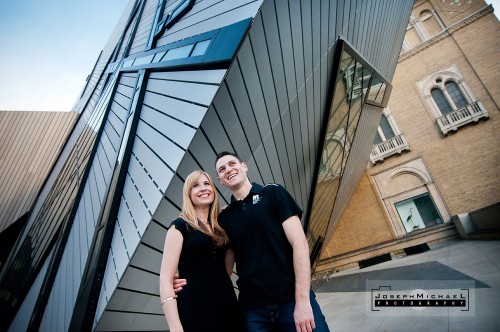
170,261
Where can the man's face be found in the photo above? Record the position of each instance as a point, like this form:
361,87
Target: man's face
231,172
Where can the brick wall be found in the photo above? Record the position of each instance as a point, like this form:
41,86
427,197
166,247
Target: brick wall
464,166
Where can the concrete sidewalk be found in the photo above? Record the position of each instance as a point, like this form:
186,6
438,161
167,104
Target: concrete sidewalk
346,302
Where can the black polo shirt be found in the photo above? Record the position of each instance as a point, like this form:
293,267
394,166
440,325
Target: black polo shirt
264,257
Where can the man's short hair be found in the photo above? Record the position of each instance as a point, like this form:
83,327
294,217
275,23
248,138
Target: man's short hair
226,153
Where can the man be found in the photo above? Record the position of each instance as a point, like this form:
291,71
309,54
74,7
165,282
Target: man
270,250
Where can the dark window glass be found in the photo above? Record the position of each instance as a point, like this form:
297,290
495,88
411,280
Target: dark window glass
386,127
418,212
455,94
441,102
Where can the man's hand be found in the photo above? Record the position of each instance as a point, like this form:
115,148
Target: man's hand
178,283
303,316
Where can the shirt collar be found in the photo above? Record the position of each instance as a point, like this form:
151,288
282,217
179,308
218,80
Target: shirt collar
256,189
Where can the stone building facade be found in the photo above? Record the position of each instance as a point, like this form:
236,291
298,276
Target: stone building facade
435,165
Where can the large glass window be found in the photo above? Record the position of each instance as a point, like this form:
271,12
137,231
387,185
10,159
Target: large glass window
353,82
418,212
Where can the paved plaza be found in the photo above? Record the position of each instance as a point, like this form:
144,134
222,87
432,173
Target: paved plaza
475,265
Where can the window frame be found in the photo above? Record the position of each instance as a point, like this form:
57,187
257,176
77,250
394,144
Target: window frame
430,82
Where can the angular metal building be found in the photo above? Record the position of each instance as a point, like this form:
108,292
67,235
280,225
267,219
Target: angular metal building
295,87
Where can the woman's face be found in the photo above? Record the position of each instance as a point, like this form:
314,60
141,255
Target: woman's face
202,193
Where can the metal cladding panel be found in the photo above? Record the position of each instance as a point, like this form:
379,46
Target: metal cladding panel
269,109
126,302
141,37
207,15
271,105
23,316
67,282
128,33
29,144
56,202
165,131
131,321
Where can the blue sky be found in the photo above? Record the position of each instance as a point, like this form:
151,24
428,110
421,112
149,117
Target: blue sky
48,47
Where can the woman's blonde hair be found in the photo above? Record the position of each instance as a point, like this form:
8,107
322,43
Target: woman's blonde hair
188,212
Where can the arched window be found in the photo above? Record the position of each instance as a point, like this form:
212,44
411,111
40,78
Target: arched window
387,128
422,27
388,140
411,197
440,100
430,23
451,100
455,94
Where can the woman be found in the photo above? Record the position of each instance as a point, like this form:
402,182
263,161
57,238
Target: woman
196,245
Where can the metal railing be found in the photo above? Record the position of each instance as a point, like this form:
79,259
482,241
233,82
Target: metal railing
461,117
394,145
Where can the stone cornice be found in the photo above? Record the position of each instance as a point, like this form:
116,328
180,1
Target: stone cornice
446,33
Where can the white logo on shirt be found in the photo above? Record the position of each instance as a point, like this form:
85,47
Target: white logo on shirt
256,199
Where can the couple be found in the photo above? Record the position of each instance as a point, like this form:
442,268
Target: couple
260,230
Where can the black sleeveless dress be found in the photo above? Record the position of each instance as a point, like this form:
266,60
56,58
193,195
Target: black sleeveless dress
208,301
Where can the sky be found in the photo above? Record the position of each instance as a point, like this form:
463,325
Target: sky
49,47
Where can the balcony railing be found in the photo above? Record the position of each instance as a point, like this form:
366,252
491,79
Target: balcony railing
394,145
461,117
